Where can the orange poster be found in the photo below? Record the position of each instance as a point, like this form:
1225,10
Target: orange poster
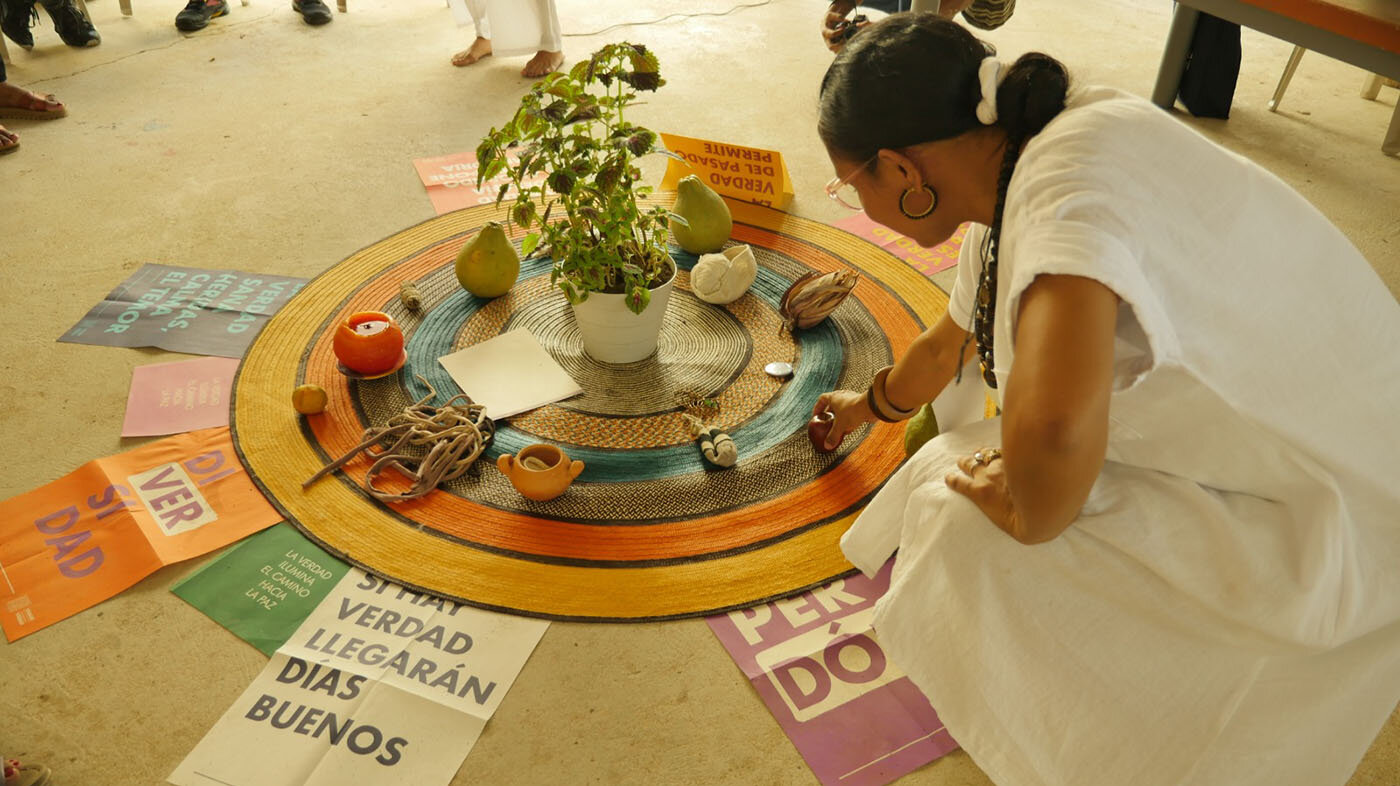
73,543
750,174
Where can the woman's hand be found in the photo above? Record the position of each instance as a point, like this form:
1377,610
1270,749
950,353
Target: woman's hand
831,23
850,411
981,478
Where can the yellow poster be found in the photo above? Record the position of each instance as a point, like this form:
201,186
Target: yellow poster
749,174
73,543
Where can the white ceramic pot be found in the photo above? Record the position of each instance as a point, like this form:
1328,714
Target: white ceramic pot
612,333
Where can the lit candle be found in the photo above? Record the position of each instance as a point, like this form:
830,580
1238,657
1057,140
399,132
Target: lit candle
369,343
371,327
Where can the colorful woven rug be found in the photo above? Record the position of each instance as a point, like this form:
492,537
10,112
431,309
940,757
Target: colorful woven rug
649,531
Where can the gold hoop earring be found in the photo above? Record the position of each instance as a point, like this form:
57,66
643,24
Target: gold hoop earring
932,202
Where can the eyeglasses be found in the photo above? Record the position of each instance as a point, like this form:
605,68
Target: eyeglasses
841,190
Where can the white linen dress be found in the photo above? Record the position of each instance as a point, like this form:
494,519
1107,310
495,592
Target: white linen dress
1226,608
517,27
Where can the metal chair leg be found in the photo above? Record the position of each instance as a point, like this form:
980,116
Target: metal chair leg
1283,81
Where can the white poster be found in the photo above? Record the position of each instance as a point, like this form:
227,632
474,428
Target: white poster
380,685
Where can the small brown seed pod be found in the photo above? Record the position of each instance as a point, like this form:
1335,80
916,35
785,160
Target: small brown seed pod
409,296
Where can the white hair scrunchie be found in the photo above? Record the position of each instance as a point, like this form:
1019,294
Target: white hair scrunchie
989,77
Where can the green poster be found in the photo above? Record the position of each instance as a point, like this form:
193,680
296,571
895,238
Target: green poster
263,588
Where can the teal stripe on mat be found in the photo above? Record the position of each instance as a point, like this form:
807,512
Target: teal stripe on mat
819,356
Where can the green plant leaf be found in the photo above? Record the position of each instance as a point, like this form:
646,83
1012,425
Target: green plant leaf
562,182
490,170
529,244
485,156
556,110
571,292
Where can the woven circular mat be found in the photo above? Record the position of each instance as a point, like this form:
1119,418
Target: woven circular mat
648,531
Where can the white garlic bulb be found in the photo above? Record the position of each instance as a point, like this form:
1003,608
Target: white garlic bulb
724,277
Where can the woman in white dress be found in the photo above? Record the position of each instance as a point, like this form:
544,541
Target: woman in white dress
1175,556
516,27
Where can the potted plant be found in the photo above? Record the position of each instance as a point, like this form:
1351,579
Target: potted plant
609,252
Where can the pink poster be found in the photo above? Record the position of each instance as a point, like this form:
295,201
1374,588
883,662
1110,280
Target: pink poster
926,260
813,658
451,182
172,398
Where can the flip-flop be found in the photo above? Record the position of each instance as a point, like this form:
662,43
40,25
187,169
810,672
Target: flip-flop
9,142
34,111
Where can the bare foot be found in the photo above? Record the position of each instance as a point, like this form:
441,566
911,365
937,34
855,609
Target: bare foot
480,48
542,63
17,102
9,140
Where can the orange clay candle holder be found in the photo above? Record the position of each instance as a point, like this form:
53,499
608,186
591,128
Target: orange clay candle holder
369,343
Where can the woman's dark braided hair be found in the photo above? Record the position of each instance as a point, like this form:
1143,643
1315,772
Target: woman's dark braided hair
912,78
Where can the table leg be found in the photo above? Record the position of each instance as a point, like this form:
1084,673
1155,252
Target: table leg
1391,145
1174,56
1372,87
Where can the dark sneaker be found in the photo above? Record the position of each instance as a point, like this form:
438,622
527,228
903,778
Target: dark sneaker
314,12
197,14
71,25
19,17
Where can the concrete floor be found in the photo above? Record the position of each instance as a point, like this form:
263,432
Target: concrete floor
263,145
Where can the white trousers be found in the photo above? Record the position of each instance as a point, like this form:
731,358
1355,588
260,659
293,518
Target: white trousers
517,27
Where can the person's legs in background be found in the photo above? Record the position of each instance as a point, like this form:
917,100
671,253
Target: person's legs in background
18,16
16,19
551,54
481,47
313,12
17,774
20,103
71,25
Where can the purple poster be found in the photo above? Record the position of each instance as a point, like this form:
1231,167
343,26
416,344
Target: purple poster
813,658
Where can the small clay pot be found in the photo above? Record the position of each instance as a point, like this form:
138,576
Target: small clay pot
540,472
818,428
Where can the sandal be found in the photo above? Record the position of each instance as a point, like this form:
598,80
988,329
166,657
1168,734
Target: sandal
9,143
35,107
26,775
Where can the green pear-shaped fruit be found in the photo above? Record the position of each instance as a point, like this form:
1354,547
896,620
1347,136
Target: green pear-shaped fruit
920,429
488,264
707,220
